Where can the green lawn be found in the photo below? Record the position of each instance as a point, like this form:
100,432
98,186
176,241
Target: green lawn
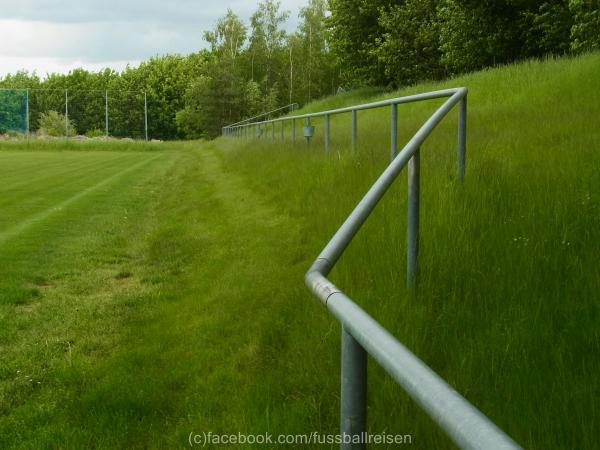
150,291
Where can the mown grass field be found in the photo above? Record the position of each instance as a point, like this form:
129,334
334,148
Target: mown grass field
147,292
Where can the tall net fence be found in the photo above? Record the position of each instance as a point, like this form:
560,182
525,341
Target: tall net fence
60,112
13,110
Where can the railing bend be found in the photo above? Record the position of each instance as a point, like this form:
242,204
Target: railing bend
361,334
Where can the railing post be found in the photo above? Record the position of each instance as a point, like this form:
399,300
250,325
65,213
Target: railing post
282,130
327,123
462,138
354,129
394,132
293,131
353,392
412,235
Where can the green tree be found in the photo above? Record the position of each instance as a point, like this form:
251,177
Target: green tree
585,33
267,50
355,31
409,47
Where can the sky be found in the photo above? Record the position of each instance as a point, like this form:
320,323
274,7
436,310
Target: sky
48,36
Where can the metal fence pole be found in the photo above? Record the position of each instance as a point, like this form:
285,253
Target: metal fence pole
66,112
282,130
273,131
394,132
106,112
327,130
293,131
412,235
462,138
27,112
354,129
353,392
146,115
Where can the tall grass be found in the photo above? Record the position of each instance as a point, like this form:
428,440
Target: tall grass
508,296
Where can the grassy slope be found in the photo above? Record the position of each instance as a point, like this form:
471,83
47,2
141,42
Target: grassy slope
169,299
507,308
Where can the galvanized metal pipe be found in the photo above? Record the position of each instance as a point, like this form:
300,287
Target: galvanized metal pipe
398,100
394,131
353,401
106,113
462,138
27,111
412,233
354,130
294,131
146,115
66,112
350,227
327,129
466,426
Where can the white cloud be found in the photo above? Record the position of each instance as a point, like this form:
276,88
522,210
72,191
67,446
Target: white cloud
56,36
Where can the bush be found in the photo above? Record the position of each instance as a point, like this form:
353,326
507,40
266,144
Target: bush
95,133
53,123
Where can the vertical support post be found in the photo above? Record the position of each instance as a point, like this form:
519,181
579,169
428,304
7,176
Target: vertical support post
327,126
412,235
27,112
394,132
106,113
293,131
146,115
462,139
66,112
354,129
282,130
353,392
273,131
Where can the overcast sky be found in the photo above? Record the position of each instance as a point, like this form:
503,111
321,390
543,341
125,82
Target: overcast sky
59,35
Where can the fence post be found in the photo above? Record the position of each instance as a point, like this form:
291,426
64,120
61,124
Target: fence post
412,235
27,112
273,131
66,112
394,132
146,115
462,138
353,392
327,126
282,130
293,131
106,112
354,129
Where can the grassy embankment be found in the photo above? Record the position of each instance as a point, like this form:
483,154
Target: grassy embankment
146,295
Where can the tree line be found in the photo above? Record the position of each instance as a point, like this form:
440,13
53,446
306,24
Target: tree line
258,66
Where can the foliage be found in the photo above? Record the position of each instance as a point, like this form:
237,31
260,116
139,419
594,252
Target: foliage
585,34
253,67
409,46
53,123
355,28
95,133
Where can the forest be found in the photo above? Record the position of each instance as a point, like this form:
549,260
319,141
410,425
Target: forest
248,68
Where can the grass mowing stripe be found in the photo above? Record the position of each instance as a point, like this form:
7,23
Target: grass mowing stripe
21,205
17,166
54,181
16,230
40,173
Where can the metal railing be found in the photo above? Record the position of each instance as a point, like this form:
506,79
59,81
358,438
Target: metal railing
228,129
361,334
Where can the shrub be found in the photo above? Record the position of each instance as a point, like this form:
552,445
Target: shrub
53,123
95,133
